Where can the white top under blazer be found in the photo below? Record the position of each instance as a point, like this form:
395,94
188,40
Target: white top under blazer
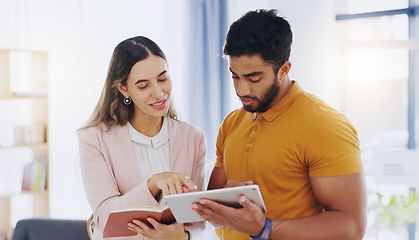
152,153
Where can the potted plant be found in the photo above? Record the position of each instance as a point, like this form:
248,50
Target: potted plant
396,213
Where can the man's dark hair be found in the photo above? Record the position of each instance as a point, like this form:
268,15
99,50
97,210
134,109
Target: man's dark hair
260,32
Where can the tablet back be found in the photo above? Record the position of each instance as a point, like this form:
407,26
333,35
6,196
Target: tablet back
181,204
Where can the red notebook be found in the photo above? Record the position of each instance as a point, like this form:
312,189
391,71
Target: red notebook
117,224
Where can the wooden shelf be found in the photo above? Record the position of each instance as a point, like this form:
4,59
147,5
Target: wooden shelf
37,145
10,195
25,97
38,200
24,100
23,71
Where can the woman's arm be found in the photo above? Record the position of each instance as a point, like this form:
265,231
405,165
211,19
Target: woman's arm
99,181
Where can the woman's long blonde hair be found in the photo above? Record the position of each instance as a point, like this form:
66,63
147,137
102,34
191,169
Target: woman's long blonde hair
111,109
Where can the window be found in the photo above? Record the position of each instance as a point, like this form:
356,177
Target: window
378,71
363,6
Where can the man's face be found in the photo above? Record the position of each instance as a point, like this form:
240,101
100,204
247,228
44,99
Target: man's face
255,82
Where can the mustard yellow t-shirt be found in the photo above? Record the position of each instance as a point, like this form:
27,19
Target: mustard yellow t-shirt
299,137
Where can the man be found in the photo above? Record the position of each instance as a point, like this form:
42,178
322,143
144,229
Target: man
303,154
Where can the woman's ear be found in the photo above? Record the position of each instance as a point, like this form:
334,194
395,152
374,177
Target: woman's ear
122,89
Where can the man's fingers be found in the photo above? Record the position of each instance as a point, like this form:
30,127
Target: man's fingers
210,208
249,205
233,183
246,203
204,212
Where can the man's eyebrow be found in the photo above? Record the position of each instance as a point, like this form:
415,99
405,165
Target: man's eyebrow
144,80
253,74
249,74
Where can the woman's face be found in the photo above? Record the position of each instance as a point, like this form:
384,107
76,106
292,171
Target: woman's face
149,86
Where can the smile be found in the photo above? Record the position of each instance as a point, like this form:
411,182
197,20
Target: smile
159,105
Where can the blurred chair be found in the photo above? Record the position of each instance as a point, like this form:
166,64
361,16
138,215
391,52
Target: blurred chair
90,224
50,229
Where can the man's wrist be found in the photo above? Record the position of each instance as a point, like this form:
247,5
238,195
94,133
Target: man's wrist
266,231
188,235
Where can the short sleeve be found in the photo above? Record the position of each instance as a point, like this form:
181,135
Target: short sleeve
332,147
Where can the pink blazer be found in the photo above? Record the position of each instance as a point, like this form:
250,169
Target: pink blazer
110,172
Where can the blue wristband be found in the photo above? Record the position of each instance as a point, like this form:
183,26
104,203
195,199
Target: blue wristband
266,231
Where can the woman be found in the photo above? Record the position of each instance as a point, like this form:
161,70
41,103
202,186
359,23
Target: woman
133,149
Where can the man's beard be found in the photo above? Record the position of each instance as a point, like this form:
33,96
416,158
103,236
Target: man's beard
265,103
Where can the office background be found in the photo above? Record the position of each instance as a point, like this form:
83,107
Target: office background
331,57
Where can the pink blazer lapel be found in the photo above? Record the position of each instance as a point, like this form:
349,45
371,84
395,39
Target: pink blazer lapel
122,150
176,153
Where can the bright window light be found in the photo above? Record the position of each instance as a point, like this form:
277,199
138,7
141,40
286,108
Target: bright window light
361,6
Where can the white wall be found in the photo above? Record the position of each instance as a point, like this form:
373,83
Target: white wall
101,25
81,35
312,51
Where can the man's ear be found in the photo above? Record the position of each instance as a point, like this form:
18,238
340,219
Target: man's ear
284,70
122,89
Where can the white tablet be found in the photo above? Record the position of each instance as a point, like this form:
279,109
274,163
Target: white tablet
181,204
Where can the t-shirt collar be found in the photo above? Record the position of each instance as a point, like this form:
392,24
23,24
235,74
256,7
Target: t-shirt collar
282,105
